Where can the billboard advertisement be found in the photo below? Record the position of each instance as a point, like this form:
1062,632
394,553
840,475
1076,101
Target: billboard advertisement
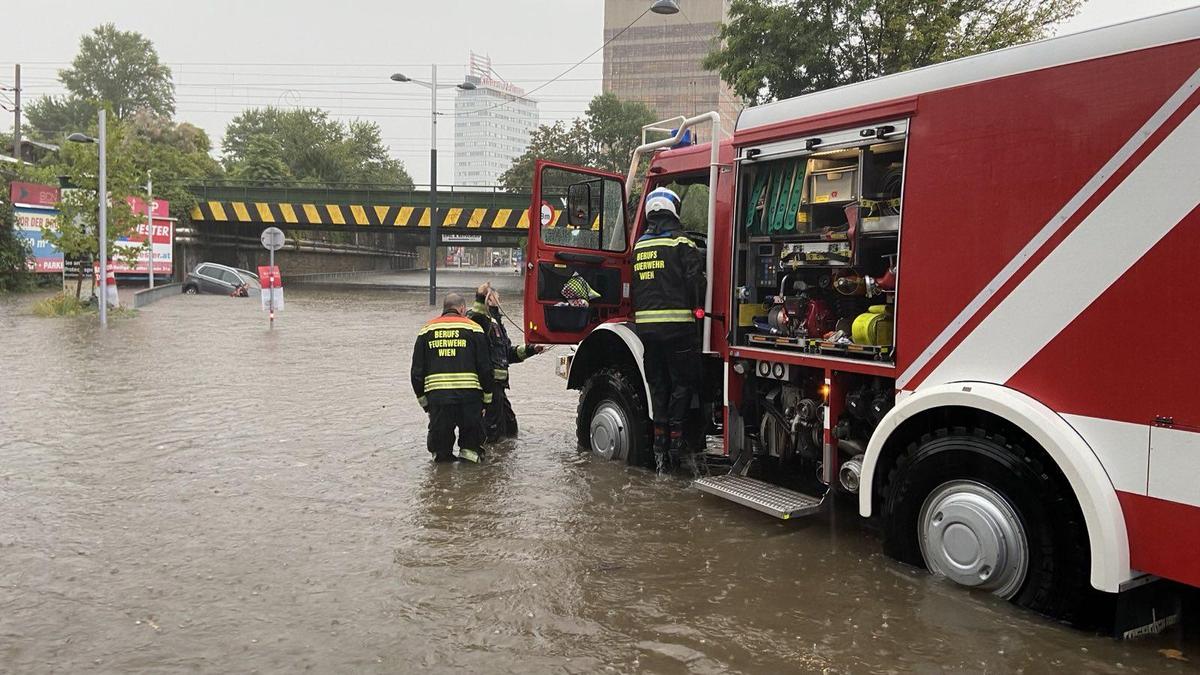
34,208
163,238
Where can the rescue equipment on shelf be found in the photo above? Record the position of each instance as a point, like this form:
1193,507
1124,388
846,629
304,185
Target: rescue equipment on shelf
776,198
874,327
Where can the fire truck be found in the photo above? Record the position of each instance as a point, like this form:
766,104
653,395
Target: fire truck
1017,404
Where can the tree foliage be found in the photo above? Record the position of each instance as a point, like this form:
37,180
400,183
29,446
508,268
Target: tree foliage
772,49
118,69
76,232
122,69
604,138
306,145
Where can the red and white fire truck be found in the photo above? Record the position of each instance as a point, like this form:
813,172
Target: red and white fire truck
1020,407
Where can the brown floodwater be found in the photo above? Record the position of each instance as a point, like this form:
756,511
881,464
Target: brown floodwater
189,491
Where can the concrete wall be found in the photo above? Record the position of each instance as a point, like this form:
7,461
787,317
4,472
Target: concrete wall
239,250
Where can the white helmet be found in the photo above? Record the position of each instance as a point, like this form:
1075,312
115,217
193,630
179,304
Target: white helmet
660,199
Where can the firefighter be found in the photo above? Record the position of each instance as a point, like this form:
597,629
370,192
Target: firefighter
499,420
668,287
452,378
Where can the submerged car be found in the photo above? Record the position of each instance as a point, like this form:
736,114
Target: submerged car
220,279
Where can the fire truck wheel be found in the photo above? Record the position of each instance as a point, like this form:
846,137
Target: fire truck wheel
988,514
612,419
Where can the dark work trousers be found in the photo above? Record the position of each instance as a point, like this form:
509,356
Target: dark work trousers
672,362
498,417
467,416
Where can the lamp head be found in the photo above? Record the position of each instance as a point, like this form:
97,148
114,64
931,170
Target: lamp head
467,86
665,7
400,77
80,138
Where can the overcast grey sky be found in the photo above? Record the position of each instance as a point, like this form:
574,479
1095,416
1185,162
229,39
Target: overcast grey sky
230,54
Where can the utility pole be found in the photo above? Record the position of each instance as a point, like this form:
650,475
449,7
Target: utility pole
433,219
17,114
150,226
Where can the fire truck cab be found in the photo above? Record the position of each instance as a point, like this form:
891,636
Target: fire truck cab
1018,407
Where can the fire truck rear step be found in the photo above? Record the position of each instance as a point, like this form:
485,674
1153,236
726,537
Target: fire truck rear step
760,495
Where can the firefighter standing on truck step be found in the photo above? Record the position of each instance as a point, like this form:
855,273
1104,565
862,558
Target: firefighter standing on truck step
452,377
668,287
498,417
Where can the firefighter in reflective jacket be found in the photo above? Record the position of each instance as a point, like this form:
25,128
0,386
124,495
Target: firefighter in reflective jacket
452,378
668,287
499,420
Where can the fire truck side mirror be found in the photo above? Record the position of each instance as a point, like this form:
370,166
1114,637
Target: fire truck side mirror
580,198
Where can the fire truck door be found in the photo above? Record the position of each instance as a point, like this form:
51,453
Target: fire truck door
577,272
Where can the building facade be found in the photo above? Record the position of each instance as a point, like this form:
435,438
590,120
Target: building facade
492,125
657,60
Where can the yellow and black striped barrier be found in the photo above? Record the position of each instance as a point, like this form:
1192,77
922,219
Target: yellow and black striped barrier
316,215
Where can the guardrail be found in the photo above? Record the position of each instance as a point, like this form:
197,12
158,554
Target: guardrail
318,277
148,295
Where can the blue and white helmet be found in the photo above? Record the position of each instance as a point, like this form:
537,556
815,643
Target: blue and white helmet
660,199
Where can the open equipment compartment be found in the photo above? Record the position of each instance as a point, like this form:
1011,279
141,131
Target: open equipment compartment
817,243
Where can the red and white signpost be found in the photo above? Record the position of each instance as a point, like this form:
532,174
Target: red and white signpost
110,281
268,277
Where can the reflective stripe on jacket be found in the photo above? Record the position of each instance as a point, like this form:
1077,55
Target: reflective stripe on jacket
668,280
450,362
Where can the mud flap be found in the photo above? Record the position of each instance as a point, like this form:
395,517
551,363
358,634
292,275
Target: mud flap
1146,606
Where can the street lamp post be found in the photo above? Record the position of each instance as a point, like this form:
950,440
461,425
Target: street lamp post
102,197
434,223
150,226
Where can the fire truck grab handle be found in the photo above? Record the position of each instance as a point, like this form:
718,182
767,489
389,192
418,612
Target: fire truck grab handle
590,258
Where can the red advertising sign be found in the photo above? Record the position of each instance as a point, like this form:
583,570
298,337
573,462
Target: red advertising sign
163,233
33,194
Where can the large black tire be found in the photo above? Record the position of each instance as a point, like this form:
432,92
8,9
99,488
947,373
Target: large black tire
1056,575
613,392
190,289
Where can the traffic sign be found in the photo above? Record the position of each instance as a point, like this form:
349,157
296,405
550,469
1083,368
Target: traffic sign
272,239
547,214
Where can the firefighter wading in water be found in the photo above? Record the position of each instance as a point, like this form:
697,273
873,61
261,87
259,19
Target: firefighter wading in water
498,418
668,286
452,378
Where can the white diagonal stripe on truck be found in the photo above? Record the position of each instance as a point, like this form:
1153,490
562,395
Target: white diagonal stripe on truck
1069,209
1139,212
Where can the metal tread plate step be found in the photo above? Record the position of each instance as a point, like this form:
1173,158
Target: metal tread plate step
760,495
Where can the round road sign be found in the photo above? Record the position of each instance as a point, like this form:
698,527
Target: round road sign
547,214
272,238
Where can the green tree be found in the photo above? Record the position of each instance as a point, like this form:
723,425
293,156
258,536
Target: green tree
175,154
53,117
772,49
122,69
313,147
604,138
263,162
116,68
78,219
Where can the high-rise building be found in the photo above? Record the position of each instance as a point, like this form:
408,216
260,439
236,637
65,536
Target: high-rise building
492,124
657,60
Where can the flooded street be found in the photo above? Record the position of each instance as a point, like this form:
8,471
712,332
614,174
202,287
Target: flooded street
190,492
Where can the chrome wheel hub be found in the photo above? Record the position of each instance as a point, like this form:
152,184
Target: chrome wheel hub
609,431
971,534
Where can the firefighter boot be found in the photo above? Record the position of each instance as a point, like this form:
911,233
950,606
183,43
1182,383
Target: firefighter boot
686,460
660,450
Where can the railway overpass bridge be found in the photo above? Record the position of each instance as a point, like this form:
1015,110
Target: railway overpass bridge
470,216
